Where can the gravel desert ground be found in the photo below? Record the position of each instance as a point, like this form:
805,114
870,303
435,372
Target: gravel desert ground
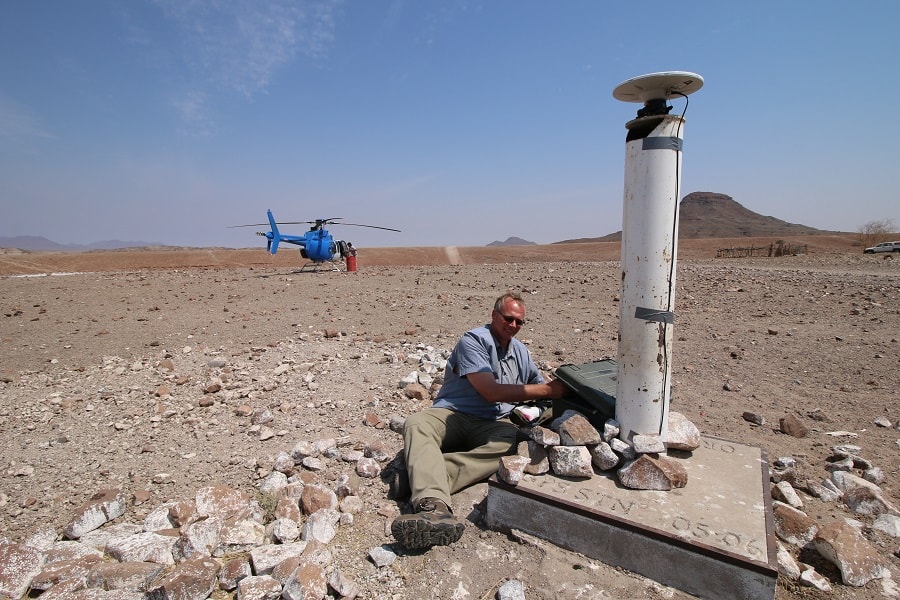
263,357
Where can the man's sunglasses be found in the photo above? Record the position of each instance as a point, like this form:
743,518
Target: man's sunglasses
510,319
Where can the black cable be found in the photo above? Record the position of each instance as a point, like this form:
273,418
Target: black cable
670,305
677,197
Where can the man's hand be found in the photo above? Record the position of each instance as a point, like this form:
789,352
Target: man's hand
559,389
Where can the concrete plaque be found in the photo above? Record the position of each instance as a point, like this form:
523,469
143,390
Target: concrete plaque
712,537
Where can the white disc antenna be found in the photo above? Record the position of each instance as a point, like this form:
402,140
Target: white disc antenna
655,89
658,86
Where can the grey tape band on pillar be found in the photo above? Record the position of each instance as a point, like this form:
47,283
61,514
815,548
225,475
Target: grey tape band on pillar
662,143
652,314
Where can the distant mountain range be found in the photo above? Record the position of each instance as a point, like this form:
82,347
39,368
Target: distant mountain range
702,215
33,243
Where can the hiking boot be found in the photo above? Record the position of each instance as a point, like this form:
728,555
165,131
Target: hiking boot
395,475
433,524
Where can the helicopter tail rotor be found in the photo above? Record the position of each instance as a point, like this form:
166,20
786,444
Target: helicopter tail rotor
274,237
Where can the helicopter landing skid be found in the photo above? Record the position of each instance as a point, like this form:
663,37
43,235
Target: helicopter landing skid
335,267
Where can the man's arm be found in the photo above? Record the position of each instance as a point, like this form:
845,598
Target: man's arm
512,393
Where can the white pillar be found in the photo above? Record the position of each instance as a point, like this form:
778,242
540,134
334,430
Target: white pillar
649,243
649,253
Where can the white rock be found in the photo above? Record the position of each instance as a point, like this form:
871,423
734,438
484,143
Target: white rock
603,457
610,430
511,590
143,547
811,578
264,558
571,461
889,524
321,526
648,444
787,566
785,492
273,482
382,556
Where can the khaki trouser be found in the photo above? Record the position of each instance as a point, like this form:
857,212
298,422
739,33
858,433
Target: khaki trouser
447,451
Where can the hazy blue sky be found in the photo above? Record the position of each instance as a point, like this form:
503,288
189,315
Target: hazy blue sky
458,122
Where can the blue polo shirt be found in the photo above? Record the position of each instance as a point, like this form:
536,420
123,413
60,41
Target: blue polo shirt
477,352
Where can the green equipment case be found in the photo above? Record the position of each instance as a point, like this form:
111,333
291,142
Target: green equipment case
593,387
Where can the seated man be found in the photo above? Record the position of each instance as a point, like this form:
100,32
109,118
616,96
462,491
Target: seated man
461,438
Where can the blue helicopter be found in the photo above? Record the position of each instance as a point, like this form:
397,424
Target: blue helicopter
317,245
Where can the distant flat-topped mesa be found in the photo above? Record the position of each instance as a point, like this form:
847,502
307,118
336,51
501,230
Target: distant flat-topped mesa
712,215
704,215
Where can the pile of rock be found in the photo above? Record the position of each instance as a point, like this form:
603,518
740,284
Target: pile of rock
572,447
853,481
272,545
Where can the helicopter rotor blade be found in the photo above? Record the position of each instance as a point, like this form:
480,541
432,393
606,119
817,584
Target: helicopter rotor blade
316,222
319,222
372,226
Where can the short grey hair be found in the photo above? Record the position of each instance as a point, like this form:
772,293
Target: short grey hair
498,304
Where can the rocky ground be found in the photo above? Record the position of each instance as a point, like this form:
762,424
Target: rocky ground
163,379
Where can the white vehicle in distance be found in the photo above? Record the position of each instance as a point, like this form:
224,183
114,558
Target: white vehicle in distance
883,247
